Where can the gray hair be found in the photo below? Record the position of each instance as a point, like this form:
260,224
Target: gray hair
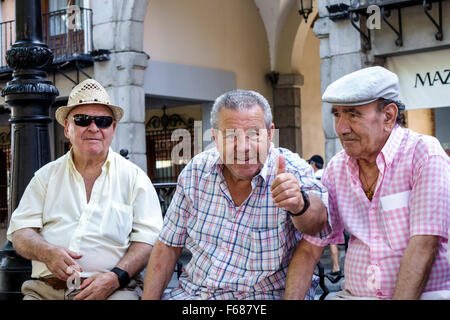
240,100
400,106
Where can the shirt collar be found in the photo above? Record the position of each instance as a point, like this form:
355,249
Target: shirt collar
392,144
106,165
270,166
389,149
265,172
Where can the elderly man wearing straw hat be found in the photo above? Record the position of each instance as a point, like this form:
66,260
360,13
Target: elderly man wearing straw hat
89,219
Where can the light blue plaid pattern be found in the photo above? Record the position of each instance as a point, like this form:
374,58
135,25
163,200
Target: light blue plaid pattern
237,252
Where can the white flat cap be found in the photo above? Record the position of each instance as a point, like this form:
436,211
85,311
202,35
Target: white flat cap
362,87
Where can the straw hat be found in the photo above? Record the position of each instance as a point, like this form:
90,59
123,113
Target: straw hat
87,92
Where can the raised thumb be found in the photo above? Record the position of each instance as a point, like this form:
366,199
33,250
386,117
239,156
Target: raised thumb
281,164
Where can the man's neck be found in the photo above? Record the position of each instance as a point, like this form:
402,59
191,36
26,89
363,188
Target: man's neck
239,189
88,164
367,164
233,180
90,169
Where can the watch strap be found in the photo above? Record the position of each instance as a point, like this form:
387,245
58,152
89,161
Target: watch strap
124,277
306,204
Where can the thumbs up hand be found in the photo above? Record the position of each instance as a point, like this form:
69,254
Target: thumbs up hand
281,165
286,189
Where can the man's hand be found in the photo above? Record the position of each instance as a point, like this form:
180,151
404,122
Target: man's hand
286,189
98,287
61,262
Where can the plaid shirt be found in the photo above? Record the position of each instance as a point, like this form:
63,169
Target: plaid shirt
237,252
411,198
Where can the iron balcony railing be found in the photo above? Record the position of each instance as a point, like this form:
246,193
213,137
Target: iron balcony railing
7,35
68,33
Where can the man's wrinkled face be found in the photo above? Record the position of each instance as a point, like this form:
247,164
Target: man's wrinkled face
243,140
90,140
361,129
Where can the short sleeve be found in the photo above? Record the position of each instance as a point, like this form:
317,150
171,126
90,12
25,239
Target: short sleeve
305,174
429,198
175,221
28,213
147,217
337,235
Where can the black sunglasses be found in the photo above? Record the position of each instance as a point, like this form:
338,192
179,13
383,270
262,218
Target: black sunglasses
83,120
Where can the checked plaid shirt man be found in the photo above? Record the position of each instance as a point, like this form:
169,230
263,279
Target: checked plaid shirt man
242,210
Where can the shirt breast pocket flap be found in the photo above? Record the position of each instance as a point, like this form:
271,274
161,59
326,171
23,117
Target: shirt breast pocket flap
395,213
117,222
266,250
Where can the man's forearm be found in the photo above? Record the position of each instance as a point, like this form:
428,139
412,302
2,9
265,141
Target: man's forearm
314,219
160,268
136,257
29,244
415,267
300,270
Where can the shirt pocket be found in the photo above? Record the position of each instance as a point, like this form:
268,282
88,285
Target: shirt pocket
396,224
117,222
266,249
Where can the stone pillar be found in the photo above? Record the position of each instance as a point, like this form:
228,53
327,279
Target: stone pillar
287,111
340,51
123,74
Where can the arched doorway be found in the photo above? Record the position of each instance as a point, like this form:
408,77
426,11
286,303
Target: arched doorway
298,65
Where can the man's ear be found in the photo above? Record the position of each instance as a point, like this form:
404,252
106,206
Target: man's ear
66,128
390,115
271,132
214,134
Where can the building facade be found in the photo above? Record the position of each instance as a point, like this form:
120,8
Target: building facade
165,62
406,37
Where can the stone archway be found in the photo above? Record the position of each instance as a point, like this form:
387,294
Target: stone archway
298,91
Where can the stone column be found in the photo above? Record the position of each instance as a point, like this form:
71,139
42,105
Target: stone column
340,51
118,26
287,111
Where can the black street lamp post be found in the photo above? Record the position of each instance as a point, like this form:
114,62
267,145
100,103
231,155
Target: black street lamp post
29,95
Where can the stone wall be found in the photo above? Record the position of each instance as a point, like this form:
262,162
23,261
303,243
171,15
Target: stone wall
340,51
118,26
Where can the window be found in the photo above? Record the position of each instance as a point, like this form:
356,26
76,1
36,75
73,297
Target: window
61,17
67,27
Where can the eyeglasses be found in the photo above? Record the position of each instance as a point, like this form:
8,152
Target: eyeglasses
83,120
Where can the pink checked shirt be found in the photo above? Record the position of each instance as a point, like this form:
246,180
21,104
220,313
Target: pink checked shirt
411,198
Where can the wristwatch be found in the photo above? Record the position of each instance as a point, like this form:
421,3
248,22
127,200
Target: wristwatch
124,277
305,207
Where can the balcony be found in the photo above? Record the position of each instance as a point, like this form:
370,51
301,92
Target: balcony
67,33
